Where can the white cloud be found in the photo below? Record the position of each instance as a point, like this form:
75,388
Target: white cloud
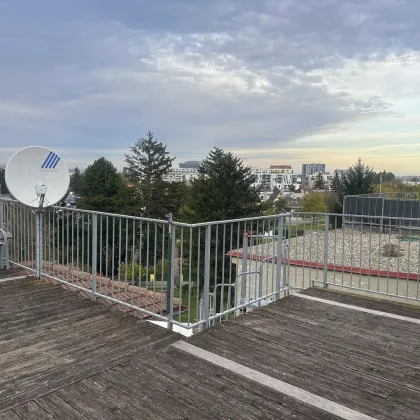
298,78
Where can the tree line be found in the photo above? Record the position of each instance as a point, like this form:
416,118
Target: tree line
222,190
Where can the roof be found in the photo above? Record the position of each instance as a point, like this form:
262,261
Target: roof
150,300
315,355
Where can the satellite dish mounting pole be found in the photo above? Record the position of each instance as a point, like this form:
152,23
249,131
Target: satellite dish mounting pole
41,190
39,242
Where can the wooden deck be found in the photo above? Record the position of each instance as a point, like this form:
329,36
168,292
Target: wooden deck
63,356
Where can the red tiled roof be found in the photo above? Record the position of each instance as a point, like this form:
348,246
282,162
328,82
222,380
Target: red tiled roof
147,299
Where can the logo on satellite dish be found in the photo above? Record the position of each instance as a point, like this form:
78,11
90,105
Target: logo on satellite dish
51,161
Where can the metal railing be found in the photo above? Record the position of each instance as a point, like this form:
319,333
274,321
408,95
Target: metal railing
192,276
179,274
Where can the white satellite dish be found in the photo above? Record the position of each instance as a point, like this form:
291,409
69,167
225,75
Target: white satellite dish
37,177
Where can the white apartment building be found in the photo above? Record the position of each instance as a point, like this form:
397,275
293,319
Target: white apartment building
181,175
326,176
277,176
309,169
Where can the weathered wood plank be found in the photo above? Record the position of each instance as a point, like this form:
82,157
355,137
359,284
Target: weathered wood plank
85,405
332,367
157,393
111,402
192,373
345,354
334,389
18,393
194,393
31,410
263,398
9,415
124,389
58,408
398,308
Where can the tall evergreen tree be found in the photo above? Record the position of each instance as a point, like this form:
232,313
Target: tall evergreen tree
77,182
3,186
319,183
358,179
223,189
336,185
148,162
104,189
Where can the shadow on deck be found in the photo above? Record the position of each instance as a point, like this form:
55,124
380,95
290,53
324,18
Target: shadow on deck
63,356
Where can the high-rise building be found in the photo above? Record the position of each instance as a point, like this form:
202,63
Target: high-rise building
311,169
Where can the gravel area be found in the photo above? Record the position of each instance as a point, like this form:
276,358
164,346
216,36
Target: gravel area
351,248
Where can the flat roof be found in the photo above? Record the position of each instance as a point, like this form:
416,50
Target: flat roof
320,354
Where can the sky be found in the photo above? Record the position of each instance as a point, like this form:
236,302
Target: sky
273,81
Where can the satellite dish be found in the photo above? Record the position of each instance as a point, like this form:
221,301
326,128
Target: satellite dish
37,177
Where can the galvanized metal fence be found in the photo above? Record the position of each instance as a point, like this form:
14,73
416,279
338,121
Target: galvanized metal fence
178,274
385,207
191,276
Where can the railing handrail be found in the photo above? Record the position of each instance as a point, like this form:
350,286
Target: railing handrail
221,222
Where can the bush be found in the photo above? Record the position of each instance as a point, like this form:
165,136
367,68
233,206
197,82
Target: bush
134,272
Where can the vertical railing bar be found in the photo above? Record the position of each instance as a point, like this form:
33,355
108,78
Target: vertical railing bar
198,273
170,274
162,274
140,261
94,252
126,261
190,275
101,274
119,256
154,266
181,275
206,287
113,257
222,292
106,255
147,265
214,289
133,250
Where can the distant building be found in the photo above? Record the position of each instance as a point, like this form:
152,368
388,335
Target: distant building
181,175
280,177
281,169
339,172
190,164
311,169
327,177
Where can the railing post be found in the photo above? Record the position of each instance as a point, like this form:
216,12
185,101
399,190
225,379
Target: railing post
94,253
244,267
3,248
279,264
1,214
171,274
326,237
286,274
206,289
39,242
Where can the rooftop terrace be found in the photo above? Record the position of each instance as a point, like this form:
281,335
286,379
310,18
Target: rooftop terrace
86,295
314,355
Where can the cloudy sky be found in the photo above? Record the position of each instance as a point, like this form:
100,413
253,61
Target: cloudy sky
274,81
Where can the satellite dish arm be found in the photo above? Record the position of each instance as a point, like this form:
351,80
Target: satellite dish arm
41,190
